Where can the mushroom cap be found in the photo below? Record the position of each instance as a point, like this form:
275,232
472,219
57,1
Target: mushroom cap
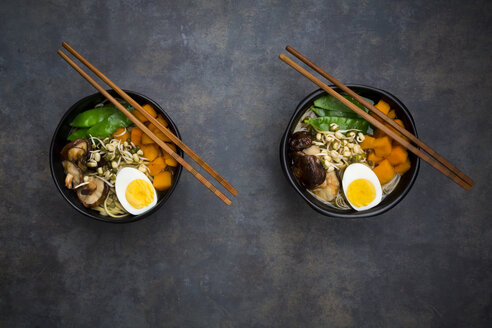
76,151
309,171
74,175
300,140
93,193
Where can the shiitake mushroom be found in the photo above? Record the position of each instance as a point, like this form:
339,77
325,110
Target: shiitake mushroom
300,140
93,193
309,171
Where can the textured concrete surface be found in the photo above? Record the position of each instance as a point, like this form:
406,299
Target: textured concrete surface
268,260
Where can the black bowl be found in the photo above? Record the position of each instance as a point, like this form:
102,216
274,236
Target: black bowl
406,181
60,139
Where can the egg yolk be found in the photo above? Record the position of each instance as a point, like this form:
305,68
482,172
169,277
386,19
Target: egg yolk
361,192
139,193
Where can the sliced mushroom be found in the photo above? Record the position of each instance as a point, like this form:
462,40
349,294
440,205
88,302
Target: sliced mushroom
74,177
77,152
309,171
93,193
300,140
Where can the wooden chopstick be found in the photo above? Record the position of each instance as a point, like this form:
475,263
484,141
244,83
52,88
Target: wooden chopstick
390,132
163,129
381,115
146,130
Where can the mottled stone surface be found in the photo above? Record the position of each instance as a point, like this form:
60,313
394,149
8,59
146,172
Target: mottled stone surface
268,260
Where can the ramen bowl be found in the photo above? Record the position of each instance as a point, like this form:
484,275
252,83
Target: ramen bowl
389,201
59,140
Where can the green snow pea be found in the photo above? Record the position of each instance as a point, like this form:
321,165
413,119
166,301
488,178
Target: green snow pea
96,115
93,116
333,113
344,123
78,134
109,125
329,102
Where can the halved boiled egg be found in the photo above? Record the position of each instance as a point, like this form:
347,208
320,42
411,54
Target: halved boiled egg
361,187
135,191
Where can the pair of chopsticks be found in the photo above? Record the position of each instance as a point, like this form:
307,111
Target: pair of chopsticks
146,130
393,130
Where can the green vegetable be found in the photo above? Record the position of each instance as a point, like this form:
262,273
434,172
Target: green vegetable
78,134
110,125
344,123
329,102
100,121
92,116
333,113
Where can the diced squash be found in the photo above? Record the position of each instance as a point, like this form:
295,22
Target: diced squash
392,114
383,106
368,142
399,122
403,167
162,120
150,151
171,145
398,155
378,133
146,140
161,135
382,146
121,134
163,181
159,119
156,166
136,136
374,158
169,160
384,171
148,108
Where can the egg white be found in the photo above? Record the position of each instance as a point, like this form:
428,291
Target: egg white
123,178
361,171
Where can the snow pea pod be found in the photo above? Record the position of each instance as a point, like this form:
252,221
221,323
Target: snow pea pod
333,113
93,116
109,125
329,102
344,123
78,134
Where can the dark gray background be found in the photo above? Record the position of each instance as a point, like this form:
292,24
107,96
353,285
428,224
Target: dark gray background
268,259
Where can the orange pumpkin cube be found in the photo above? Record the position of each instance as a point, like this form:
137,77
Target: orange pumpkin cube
156,166
150,151
383,106
384,171
382,146
163,181
172,146
136,136
121,134
403,167
146,140
392,114
149,109
368,142
374,158
170,160
398,155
